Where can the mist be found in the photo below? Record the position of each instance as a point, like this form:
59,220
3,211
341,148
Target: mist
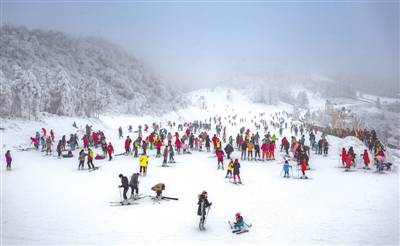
202,44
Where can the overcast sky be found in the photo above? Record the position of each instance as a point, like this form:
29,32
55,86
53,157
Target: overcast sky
201,43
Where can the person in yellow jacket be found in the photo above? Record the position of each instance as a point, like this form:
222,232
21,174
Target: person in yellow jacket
250,148
229,169
218,145
143,162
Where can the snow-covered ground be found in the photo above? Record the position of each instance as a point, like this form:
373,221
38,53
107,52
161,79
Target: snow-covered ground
45,200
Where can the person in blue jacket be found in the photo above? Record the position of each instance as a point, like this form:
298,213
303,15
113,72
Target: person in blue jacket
239,223
286,167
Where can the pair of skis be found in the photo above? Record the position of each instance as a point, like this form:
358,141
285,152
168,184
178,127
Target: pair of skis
241,230
130,201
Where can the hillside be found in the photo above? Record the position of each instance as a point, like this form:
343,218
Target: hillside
58,74
75,209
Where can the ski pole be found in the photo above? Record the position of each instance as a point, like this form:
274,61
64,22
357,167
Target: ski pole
208,210
120,193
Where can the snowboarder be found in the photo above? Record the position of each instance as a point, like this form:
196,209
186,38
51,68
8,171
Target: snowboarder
8,159
203,203
125,185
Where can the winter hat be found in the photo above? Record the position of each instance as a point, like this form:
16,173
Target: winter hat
120,175
237,214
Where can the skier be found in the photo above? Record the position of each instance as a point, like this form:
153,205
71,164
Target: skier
128,145
286,167
81,159
229,169
366,159
236,171
303,168
343,156
158,188
120,132
250,147
203,203
165,155
228,150
110,151
49,144
90,159
171,154
8,159
239,222
125,185
59,149
325,145
143,162
220,158
134,184
244,148
158,147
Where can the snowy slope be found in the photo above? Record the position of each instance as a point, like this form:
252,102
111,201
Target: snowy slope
45,200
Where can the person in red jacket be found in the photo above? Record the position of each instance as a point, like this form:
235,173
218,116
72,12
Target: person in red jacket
178,145
85,142
264,149
220,158
110,151
366,158
95,137
303,168
283,142
158,147
272,150
344,156
127,145
349,160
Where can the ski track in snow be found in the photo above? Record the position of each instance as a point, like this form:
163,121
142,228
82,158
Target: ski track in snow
45,200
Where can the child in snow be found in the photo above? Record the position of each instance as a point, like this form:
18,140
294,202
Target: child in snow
286,167
239,222
229,169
